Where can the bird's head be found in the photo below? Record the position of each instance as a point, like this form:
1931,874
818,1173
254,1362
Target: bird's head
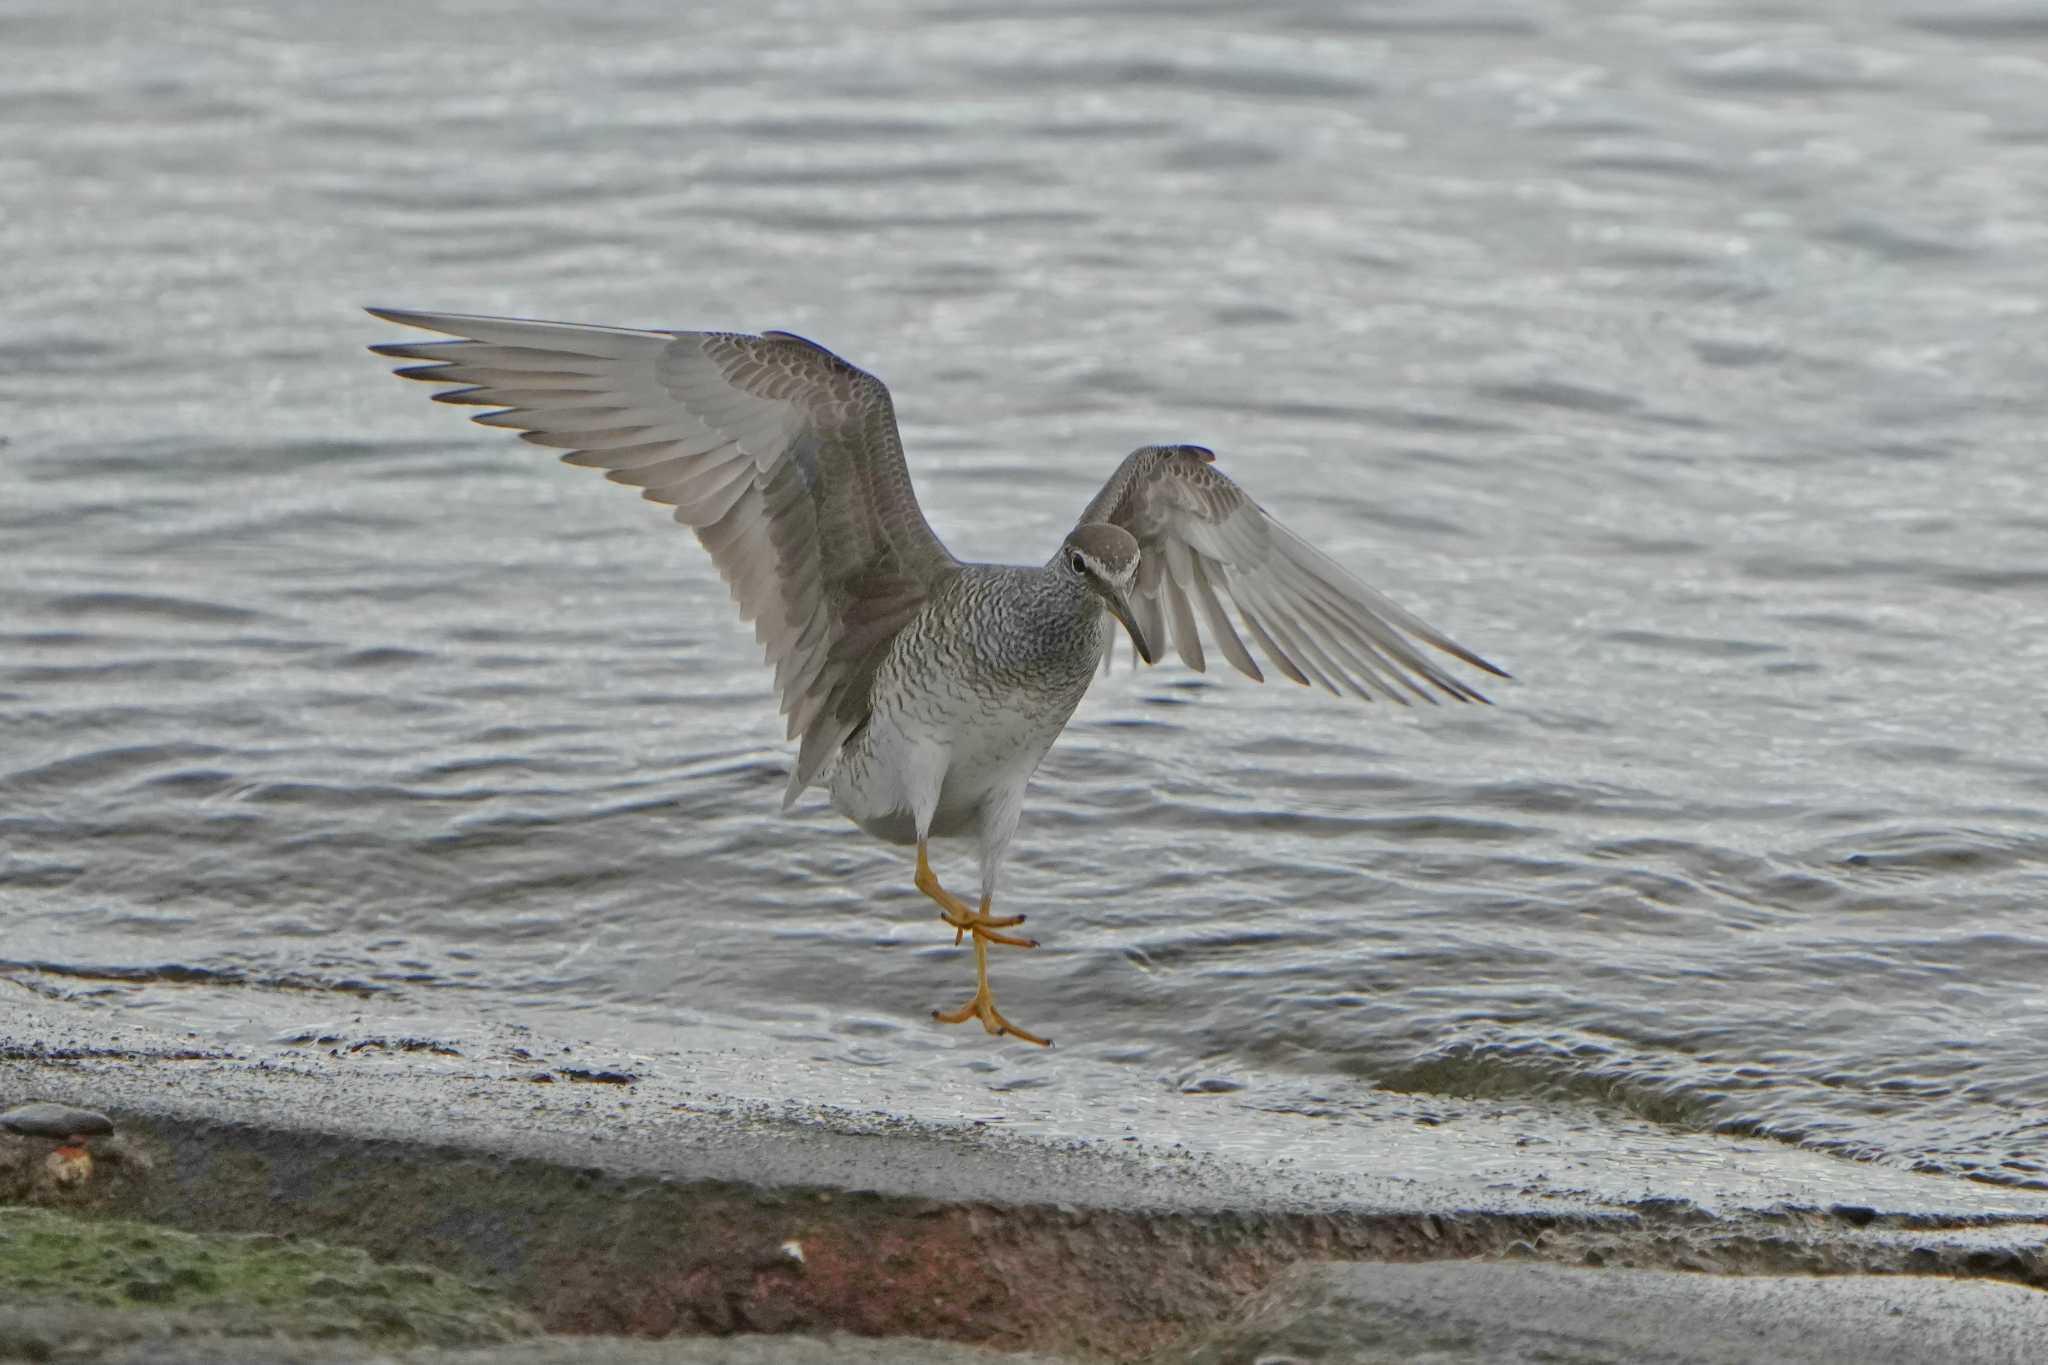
1104,558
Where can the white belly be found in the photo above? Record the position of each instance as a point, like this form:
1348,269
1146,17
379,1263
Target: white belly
964,706
969,747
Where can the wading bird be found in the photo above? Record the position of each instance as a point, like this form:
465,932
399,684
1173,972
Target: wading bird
923,690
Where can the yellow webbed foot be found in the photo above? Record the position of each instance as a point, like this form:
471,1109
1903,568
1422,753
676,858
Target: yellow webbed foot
954,911
984,927
983,1005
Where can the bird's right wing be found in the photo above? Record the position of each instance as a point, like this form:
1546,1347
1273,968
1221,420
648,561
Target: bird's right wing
1201,540
782,457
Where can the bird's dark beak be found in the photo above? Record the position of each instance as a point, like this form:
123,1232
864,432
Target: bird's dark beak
1121,610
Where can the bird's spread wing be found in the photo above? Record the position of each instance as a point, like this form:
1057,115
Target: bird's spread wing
783,458
1202,542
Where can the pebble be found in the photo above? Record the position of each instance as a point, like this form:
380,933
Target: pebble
41,1118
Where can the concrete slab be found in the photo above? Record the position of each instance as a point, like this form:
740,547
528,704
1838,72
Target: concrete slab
721,1188
1457,1313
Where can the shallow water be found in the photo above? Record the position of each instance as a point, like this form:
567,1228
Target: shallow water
1683,358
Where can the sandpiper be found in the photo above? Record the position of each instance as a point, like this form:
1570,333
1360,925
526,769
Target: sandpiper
923,690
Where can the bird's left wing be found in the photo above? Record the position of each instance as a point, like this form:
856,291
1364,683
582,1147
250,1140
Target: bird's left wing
1201,541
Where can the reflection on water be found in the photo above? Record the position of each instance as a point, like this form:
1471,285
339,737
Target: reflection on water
1684,361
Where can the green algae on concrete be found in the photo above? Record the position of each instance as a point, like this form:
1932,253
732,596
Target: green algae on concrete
247,1283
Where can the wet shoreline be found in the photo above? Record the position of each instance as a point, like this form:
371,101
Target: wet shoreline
624,1195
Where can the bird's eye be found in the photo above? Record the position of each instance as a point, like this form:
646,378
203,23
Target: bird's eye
1078,564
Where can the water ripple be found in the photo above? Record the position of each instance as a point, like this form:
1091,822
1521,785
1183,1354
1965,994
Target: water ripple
1685,363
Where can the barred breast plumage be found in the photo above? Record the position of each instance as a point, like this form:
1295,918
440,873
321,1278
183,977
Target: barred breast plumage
971,696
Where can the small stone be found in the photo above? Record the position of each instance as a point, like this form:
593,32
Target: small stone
41,1118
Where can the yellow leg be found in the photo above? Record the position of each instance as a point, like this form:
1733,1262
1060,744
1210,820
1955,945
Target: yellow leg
983,926
983,1005
954,911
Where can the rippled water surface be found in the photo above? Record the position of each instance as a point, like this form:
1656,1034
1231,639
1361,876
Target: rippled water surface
1685,358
